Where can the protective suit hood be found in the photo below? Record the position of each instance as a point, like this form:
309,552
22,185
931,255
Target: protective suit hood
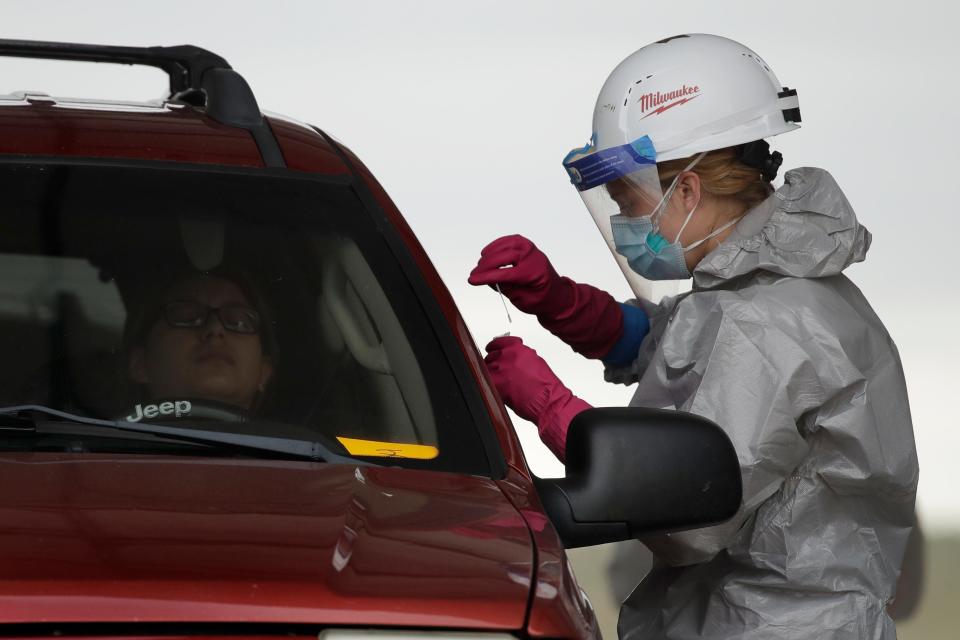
806,229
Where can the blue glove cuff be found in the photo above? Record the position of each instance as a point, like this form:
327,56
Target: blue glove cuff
636,325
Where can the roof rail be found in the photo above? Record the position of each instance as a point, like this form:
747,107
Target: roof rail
198,77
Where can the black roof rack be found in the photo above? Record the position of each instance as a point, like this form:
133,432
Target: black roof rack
198,77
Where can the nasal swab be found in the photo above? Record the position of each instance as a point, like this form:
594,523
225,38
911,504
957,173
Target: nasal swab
505,309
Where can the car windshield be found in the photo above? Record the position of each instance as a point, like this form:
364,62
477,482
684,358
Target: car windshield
222,301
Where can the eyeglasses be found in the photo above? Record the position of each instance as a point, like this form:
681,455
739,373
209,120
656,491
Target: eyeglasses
188,314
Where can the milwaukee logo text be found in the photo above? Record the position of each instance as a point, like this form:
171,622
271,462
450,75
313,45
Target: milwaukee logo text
660,102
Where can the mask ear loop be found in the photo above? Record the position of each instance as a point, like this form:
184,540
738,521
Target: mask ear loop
684,225
657,212
673,187
715,233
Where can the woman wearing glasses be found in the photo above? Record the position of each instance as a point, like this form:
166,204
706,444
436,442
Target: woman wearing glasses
204,338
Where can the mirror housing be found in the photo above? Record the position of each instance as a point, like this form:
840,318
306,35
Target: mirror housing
634,471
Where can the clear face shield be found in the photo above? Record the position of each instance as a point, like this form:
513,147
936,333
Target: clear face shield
621,182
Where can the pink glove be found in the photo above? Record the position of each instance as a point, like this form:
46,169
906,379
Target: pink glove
586,318
533,391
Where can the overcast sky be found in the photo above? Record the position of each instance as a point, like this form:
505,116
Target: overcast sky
465,110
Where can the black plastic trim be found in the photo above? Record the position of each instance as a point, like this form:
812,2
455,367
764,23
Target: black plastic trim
198,78
634,471
268,145
585,534
185,64
790,115
757,154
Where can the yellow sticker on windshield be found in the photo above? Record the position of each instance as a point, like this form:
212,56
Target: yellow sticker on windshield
379,449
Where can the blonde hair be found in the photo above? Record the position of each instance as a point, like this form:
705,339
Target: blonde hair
722,176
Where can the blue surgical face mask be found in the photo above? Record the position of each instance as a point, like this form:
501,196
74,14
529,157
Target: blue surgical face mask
649,253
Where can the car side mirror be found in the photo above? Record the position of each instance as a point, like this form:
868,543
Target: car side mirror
634,471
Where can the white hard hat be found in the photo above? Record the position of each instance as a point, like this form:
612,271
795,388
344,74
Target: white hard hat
693,93
672,99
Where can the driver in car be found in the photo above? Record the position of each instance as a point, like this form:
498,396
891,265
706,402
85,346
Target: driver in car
204,338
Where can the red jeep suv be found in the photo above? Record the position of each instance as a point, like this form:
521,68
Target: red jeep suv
238,401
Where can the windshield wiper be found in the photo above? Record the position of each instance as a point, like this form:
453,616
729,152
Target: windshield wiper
18,418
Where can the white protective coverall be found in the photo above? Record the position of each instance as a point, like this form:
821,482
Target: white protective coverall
781,350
